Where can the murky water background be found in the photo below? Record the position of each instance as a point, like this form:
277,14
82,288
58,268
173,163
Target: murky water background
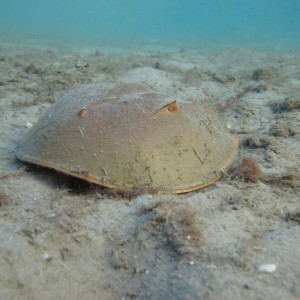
257,22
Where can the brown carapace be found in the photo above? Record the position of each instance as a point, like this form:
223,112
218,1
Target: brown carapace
127,136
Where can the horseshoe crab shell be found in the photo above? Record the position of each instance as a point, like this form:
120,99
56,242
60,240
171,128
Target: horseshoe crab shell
127,136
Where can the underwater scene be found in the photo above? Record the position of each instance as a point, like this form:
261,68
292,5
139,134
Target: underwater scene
233,22
149,149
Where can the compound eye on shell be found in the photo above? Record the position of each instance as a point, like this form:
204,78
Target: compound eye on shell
82,112
171,107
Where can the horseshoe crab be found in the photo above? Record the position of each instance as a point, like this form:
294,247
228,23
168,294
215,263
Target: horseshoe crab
127,136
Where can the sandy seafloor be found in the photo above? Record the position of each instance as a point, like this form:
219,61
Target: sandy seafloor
64,239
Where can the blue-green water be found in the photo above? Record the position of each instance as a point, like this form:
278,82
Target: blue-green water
255,22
